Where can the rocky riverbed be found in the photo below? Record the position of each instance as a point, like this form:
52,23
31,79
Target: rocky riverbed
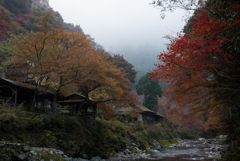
22,152
201,149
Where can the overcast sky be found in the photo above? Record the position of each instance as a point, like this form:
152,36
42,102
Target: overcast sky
120,23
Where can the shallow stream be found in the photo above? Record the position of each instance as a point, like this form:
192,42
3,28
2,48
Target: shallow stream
181,153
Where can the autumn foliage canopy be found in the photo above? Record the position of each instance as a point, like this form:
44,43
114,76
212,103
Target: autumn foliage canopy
66,63
203,67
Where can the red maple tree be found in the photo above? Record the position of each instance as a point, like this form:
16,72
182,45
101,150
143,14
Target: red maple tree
203,66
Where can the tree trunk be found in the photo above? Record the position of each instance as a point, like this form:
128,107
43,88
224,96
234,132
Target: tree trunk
144,100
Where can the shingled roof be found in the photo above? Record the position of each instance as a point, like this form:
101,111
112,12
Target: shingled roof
20,84
139,109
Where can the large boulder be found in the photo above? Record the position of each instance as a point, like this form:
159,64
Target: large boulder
144,145
221,138
156,145
96,159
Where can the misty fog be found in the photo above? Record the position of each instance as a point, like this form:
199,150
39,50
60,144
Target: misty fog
132,28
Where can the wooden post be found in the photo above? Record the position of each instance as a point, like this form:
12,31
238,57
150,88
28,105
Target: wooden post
42,103
33,100
95,111
16,97
72,109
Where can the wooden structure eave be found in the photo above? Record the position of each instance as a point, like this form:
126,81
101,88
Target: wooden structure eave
71,102
21,91
143,111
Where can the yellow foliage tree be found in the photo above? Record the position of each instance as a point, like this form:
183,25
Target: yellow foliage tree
66,62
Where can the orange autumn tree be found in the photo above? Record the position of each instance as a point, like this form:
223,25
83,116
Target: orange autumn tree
106,85
202,66
50,55
66,62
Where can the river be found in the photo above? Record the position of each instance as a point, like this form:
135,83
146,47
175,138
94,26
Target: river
181,153
187,150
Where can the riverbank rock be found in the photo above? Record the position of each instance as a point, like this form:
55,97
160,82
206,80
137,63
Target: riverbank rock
202,140
135,150
127,152
156,145
165,143
97,159
221,138
172,146
217,147
23,152
10,150
216,155
144,145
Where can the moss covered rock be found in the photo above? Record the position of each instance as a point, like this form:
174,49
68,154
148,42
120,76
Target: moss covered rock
47,154
164,143
144,145
173,141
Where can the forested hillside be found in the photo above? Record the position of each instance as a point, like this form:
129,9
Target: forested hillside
21,16
60,89
60,57
47,62
142,57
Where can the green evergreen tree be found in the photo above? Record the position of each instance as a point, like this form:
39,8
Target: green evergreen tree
150,89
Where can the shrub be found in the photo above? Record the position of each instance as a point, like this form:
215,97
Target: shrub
35,121
8,121
52,116
120,128
140,125
155,131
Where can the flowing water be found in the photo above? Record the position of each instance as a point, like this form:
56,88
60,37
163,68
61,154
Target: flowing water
186,150
182,153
